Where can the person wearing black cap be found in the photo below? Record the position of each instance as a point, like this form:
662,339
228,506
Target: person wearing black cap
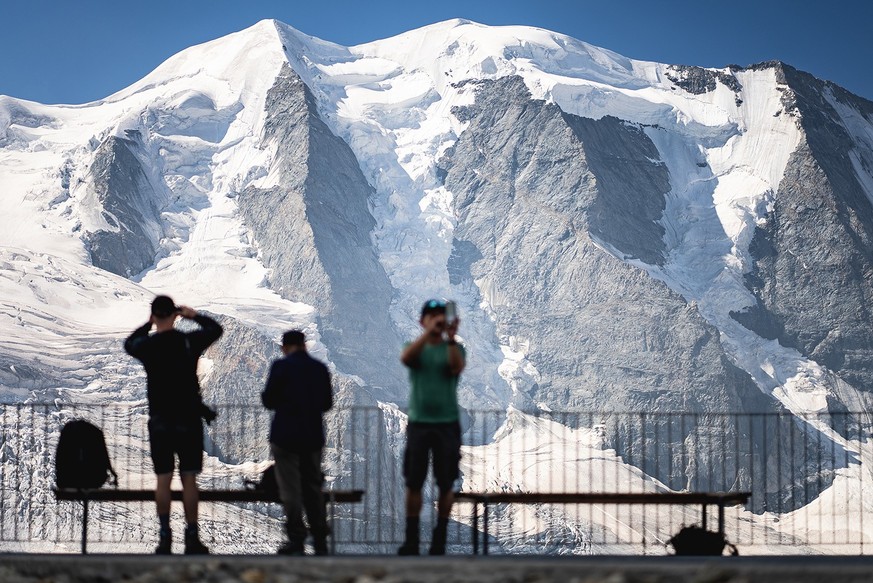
175,409
298,389
435,361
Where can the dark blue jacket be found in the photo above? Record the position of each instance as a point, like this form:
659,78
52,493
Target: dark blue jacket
298,390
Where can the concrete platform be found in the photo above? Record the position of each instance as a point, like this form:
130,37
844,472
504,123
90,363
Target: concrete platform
19,568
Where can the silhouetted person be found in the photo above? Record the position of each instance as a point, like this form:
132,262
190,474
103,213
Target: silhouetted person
299,391
435,361
175,409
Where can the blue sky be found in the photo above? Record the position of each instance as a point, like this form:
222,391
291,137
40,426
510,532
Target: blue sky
73,51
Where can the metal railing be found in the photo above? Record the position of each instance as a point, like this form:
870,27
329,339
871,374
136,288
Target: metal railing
807,477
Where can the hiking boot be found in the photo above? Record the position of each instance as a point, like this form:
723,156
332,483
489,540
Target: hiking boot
408,549
292,549
165,546
193,546
437,548
438,540
320,548
411,540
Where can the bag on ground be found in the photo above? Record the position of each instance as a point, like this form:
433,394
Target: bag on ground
82,460
696,541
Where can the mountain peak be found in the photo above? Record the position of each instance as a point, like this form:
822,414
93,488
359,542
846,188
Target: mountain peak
241,57
463,49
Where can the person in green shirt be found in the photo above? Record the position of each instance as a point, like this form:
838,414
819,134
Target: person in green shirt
435,361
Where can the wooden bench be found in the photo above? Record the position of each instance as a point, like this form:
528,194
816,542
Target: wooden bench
705,499
331,498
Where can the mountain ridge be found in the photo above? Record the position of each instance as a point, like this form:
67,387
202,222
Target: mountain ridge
520,44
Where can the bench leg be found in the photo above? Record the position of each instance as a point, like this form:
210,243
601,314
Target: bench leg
330,528
85,526
475,528
485,525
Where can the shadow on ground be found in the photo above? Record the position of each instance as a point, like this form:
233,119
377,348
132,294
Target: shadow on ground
380,569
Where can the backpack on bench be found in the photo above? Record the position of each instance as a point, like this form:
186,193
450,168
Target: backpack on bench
82,460
266,485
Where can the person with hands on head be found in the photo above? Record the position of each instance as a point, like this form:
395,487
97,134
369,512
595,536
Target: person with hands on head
176,408
435,361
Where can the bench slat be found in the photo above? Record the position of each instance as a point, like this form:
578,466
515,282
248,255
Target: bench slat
111,495
605,498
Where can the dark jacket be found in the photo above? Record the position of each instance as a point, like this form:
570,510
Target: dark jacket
170,360
298,390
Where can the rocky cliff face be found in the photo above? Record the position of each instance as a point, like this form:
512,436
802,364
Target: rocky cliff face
548,200
313,232
129,206
813,257
548,205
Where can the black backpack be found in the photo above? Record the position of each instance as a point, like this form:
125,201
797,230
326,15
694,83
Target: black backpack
695,541
82,460
267,484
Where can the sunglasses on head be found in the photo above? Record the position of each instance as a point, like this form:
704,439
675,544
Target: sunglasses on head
434,304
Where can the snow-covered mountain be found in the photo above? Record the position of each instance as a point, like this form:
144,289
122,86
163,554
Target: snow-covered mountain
620,235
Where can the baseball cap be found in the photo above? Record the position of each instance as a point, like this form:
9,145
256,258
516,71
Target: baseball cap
163,306
433,307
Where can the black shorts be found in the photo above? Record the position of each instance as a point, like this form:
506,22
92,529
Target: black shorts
168,439
443,440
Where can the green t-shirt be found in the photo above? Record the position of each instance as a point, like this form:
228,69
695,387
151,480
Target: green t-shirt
434,394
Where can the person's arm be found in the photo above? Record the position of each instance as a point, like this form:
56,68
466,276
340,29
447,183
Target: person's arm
271,397
327,390
136,343
412,351
209,332
411,354
457,361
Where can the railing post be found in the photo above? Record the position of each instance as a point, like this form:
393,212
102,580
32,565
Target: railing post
85,525
485,525
475,527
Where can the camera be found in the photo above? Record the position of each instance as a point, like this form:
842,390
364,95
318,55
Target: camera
451,313
208,413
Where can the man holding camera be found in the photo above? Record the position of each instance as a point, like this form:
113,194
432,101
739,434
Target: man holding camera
175,409
435,361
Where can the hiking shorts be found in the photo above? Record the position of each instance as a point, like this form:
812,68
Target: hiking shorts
443,442
169,439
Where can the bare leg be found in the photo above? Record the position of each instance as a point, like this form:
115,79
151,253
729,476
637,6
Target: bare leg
162,493
444,506
413,503
190,497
